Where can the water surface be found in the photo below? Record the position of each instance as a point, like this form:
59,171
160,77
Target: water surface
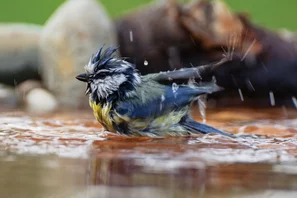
68,154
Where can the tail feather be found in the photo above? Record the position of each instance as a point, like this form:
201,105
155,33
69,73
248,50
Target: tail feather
197,127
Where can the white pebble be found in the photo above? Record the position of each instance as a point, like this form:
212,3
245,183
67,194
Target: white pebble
40,101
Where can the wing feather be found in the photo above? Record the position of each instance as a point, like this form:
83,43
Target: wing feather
172,99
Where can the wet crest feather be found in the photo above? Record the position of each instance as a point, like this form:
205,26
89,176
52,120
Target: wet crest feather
110,75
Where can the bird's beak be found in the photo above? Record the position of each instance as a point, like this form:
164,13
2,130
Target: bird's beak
82,77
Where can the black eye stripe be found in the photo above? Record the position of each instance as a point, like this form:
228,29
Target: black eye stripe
101,74
108,73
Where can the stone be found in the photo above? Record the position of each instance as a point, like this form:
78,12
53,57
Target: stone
19,57
35,99
76,30
40,101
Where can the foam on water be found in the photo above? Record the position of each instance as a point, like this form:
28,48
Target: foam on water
77,135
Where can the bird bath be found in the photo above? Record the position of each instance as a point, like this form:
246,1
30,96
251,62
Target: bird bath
68,154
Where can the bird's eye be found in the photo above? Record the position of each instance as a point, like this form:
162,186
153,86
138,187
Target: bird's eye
101,75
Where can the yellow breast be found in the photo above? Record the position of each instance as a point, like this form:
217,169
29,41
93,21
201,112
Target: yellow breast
101,112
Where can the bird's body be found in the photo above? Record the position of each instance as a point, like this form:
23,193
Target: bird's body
148,111
130,104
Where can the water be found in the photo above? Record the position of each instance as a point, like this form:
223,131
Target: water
67,154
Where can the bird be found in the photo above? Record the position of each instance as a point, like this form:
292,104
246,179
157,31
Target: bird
128,103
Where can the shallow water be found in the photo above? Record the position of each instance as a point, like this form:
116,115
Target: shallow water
67,154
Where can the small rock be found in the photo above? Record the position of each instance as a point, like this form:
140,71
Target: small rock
73,33
27,86
19,57
40,101
35,98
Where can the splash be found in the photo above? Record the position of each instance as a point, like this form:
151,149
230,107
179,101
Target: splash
240,95
202,107
145,63
174,87
294,100
131,35
271,97
161,103
248,50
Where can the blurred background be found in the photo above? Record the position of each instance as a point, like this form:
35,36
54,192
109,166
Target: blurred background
46,151
63,35
271,14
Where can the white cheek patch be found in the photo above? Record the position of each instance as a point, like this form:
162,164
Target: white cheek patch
108,85
103,87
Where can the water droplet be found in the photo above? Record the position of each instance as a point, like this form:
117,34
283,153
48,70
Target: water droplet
264,67
214,80
272,100
202,107
145,63
174,87
192,83
248,49
161,103
131,35
240,94
249,83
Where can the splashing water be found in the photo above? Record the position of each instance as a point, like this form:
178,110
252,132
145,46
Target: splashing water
294,100
250,85
75,141
202,107
192,83
161,103
248,50
162,98
264,67
131,35
272,100
145,62
174,87
240,94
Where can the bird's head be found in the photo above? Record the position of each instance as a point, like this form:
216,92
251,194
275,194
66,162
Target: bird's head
108,76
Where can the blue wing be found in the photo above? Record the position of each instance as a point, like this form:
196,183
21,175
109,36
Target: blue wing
197,127
171,100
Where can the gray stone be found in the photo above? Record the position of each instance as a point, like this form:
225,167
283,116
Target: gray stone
19,57
72,34
40,101
34,98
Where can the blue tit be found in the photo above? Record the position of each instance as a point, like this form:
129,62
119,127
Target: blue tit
125,102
